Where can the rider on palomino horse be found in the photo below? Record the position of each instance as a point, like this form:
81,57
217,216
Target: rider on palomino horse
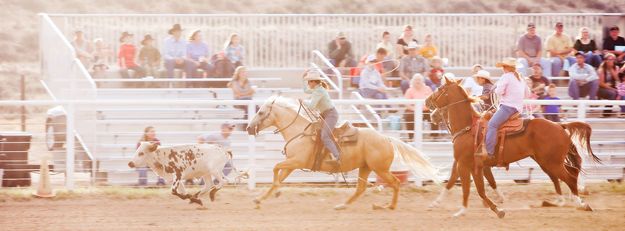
511,90
320,102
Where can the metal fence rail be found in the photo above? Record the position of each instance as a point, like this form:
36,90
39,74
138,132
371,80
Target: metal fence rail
285,40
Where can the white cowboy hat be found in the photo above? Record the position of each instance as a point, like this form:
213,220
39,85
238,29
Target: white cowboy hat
370,58
413,45
511,62
483,74
313,75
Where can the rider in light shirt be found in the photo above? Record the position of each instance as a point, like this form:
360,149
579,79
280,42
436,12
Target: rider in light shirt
511,89
320,101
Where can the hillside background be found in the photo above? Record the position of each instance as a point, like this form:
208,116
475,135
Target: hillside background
19,21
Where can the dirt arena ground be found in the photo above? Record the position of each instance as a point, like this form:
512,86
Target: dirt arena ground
304,208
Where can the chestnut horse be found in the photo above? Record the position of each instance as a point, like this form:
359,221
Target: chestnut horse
371,152
544,141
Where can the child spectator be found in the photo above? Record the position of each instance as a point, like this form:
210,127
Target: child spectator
551,112
428,50
235,52
102,55
538,81
482,77
197,55
149,56
149,135
436,73
127,52
387,45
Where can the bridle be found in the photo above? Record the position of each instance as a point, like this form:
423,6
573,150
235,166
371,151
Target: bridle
445,110
278,129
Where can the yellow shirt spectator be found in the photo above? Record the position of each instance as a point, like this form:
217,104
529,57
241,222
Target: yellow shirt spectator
428,51
559,43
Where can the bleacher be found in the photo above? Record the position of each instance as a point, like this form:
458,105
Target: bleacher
118,127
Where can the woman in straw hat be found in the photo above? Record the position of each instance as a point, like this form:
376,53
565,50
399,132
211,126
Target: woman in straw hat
482,78
320,101
511,90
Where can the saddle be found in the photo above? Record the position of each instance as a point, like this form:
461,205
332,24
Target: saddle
345,133
515,125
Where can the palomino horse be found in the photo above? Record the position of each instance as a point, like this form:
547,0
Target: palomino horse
371,152
544,141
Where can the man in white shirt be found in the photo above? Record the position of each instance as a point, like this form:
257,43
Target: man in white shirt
584,80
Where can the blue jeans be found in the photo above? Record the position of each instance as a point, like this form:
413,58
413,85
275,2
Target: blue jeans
373,94
590,88
227,169
556,65
331,117
143,176
191,69
500,117
170,64
544,63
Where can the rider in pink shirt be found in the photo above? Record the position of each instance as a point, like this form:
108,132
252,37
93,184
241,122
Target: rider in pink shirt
511,89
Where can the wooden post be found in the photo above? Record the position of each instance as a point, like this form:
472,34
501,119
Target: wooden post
23,97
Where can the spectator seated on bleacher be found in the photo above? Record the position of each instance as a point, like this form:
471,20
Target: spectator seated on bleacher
102,55
559,48
482,78
609,80
412,64
378,64
371,84
583,79
588,46
340,52
417,90
539,82
149,56
403,43
614,44
82,47
435,74
223,67
551,112
241,87
529,51
469,84
235,52
126,57
175,51
428,50
387,45
198,55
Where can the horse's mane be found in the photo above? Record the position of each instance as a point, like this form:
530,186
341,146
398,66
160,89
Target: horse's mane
287,103
471,99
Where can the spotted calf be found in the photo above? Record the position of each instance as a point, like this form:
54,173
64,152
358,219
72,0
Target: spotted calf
185,162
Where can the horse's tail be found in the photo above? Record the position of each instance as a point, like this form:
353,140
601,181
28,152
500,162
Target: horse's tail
418,163
579,133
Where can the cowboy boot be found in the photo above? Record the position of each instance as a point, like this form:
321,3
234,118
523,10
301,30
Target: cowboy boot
333,162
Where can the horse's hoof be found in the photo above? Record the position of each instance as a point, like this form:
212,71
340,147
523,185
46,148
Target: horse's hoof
340,207
197,201
434,204
212,193
460,213
257,206
549,204
378,207
501,213
585,207
257,201
278,193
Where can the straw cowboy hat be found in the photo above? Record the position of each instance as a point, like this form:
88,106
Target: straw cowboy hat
313,75
510,62
175,27
483,74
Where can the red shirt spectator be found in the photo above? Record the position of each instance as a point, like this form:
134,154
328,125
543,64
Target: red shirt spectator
127,55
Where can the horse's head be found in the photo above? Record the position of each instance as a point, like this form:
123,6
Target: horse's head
264,118
446,95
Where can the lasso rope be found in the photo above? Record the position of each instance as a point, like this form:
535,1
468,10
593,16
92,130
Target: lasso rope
397,63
